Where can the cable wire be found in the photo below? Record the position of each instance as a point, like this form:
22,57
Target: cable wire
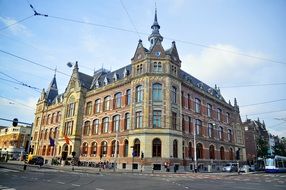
254,104
250,85
22,20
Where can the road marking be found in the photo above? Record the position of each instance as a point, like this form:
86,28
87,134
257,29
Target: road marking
98,189
10,189
60,182
8,170
186,187
77,185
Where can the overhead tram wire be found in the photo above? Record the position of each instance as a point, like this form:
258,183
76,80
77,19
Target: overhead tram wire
30,107
251,85
22,20
260,103
266,112
33,62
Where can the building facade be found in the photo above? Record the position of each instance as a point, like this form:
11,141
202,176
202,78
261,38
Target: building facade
141,116
14,141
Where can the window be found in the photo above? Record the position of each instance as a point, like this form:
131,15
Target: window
46,134
157,119
197,105
127,121
95,126
183,123
53,118
37,121
182,99
44,150
97,106
116,123
139,120
68,128
209,110
48,119
174,69
230,154
125,154
157,92
212,152
118,100
86,128
84,149
190,124
106,103
58,118
136,148
174,95
227,117
139,69
157,67
175,149
189,101
139,94
229,135
221,153
70,107
219,114
128,97
199,151
105,124
156,148
210,130
103,148
113,148
93,149
174,120
190,150
56,133
198,126
220,133
88,108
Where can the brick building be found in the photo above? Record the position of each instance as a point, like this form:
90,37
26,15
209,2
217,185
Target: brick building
142,115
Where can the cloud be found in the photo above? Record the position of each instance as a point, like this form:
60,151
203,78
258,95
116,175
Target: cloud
221,66
16,29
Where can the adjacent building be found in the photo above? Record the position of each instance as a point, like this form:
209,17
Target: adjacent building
14,141
141,116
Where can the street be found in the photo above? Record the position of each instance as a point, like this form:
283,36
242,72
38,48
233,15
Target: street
45,179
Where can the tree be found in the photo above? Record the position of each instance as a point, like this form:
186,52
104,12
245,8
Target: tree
262,147
280,147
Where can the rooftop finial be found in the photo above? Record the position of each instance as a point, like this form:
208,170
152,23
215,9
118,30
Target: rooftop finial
155,36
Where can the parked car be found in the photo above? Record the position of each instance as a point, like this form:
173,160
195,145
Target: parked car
245,168
230,167
36,160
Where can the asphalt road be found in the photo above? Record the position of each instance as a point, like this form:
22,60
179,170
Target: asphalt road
50,179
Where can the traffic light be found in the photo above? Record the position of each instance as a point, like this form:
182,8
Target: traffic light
15,122
237,156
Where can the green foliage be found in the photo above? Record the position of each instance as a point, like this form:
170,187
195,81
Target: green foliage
280,147
262,147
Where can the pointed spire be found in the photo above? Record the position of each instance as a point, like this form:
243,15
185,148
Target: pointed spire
75,66
155,35
52,91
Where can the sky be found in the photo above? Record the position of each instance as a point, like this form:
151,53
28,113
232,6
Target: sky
238,45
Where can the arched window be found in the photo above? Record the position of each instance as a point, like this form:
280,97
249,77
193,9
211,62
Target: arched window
125,153
70,107
210,130
113,148
116,123
48,120
49,150
95,126
84,148
222,153
93,149
56,133
139,120
175,149
174,95
199,151
212,152
51,133
190,151
88,108
103,148
128,97
86,128
44,150
219,112
198,126
105,124
220,133
106,103
229,135
231,154
97,106
53,118
197,105
157,92
46,134
117,101
139,94
127,121
136,148
156,148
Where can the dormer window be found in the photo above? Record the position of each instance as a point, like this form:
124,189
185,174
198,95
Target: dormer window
157,67
174,69
105,81
97,84
115,78
139,69
125,73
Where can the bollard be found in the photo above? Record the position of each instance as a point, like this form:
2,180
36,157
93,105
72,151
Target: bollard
25,167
